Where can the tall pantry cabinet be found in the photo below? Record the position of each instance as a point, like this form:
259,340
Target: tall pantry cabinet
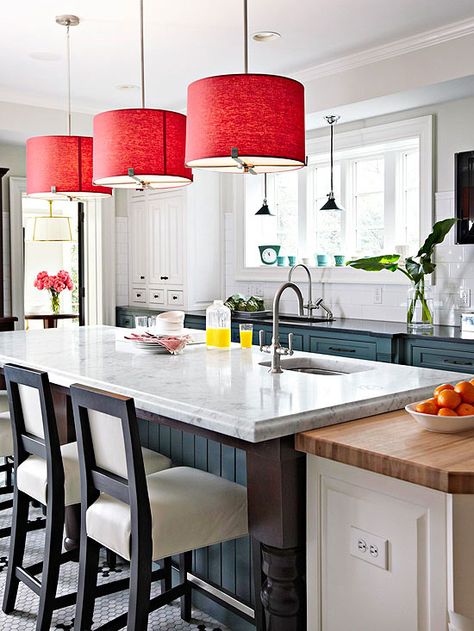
175,246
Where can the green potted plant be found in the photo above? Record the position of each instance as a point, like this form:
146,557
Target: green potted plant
416,268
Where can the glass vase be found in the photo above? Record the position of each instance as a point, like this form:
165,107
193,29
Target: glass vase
420,307
55,302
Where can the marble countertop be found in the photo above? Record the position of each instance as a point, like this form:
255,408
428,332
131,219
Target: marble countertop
225,391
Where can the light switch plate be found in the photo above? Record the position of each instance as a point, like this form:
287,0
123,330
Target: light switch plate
369,547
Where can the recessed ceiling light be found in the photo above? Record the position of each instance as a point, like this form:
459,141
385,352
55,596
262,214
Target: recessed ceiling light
127,86
266,36
44,56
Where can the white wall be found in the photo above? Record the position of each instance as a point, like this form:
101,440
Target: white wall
453,133
12,157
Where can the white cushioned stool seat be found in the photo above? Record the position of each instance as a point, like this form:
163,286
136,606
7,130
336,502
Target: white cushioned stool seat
6,436
190,509
4,404
32,473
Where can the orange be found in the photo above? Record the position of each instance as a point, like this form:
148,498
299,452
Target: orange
427,407
465,409
443,386
466,390
449,399
446,412
434,400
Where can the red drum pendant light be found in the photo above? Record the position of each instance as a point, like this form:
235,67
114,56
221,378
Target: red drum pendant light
60,167
140,148
246,123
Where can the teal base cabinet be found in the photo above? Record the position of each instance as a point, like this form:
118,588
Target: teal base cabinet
439,354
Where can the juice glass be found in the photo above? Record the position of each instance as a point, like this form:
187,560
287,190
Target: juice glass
246,334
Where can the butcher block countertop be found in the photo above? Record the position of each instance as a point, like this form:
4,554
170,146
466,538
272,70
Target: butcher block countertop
393,444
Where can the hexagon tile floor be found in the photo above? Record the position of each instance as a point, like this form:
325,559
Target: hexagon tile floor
23,619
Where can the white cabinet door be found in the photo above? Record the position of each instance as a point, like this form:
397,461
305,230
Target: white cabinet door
166,237
138,242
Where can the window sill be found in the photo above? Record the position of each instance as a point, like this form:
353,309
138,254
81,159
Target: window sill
347,275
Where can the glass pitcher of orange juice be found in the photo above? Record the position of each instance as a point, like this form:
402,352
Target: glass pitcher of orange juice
218,325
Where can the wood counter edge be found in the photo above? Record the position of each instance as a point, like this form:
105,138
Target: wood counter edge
433,477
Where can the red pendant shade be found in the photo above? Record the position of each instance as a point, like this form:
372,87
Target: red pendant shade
62,164
149,141
260,115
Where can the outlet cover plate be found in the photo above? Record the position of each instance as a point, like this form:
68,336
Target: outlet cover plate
369,547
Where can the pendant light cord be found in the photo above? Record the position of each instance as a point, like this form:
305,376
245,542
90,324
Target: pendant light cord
142,55
246,37
332,157
68,54
265,186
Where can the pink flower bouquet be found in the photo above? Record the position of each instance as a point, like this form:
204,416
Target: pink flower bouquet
55,285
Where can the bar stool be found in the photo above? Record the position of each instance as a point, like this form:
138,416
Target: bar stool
48,473
142,518
6,452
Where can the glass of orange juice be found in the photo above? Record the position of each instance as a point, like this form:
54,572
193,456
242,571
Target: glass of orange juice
246,333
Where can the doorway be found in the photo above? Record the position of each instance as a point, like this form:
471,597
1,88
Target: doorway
53,242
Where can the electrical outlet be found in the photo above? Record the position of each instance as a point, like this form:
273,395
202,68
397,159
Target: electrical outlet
368,547
464,297
378,296
258,290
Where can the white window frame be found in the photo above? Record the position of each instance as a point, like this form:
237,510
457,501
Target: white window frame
420,127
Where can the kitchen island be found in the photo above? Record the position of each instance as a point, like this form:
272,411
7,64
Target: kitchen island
229,397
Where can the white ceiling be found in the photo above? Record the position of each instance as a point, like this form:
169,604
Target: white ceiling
189,39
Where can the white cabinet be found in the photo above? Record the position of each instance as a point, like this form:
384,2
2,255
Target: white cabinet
138,237
347,589
165,239
175,246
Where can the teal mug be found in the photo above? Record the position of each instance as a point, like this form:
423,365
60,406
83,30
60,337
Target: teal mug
339,259
321,260
281,261
292,260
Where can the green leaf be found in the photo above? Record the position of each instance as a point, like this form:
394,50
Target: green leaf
376,263
440,230
414,269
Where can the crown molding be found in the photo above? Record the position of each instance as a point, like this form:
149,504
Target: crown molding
396,48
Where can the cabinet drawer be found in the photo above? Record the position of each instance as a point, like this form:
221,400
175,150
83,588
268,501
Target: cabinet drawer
138,296
176,297
156,296
344,348
461,361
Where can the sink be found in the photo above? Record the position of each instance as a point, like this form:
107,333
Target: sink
321,366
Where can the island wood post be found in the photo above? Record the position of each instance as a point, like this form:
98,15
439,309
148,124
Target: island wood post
276,482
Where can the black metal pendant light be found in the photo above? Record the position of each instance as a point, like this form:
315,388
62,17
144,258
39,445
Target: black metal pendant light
331,203
264,210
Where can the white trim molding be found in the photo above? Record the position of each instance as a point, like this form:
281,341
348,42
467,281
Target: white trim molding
396,48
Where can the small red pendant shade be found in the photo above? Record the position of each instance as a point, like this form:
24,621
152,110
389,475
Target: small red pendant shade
61,166
149,141
262,116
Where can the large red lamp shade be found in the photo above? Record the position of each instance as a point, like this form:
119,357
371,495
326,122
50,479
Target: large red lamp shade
59,167
140,148
246,122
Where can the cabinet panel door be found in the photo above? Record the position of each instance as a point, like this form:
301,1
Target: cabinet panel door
166,235
138,243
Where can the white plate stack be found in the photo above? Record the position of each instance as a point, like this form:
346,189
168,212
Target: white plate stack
170,323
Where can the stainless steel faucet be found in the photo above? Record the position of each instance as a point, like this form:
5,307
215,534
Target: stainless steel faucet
310,305
276,349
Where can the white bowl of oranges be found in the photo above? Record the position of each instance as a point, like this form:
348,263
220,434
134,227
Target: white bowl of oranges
451,409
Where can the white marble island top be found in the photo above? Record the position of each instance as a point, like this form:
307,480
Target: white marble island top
223,391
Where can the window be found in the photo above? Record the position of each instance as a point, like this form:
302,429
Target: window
377,183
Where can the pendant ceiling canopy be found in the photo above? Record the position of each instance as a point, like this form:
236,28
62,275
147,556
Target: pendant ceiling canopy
140,148
246,123
60,167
